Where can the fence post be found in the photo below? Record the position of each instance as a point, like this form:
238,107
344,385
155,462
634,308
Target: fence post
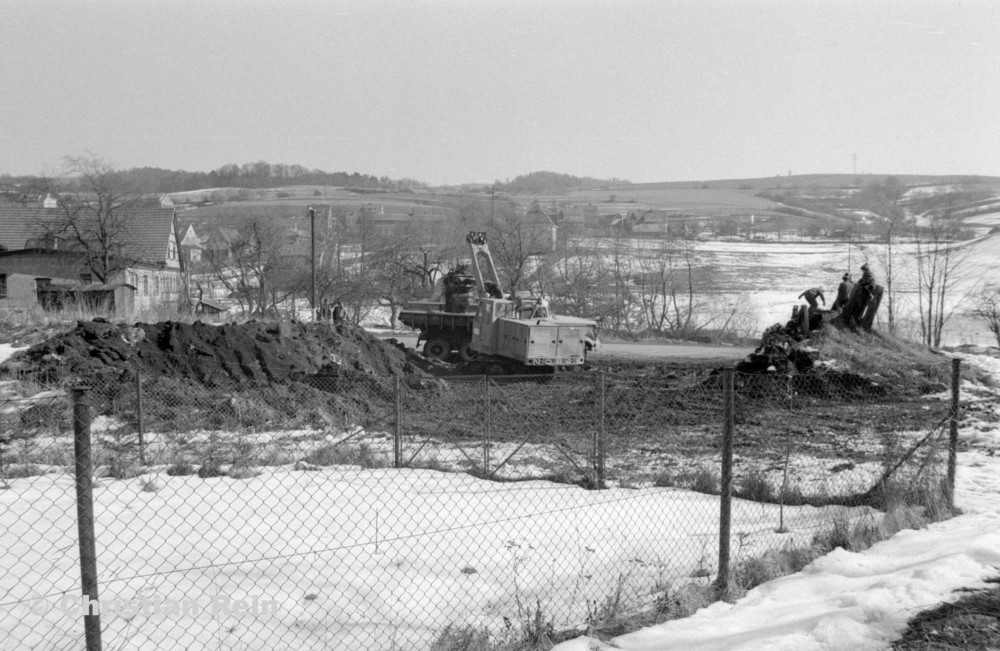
85,516
138,406
956,375
726,480
397,437
600,433
486,436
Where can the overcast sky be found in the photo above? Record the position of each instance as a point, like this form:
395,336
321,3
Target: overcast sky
472,91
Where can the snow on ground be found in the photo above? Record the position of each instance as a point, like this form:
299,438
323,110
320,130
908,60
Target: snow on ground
858,600
6,350
456,548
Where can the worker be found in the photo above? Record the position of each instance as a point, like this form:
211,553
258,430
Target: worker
338,312
843,292
811,295
867,278
324,311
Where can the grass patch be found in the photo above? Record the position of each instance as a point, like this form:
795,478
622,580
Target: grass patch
972,622
22,470
180,469
347,455
755,487
702,480
242,472
912,367
210,469
462,638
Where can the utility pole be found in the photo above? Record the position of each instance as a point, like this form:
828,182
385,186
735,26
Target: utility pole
312,257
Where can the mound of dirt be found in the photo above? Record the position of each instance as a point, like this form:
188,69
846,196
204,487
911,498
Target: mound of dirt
215,356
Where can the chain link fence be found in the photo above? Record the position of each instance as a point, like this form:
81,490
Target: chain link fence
369,512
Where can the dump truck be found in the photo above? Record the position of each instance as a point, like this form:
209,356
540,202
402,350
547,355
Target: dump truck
518,331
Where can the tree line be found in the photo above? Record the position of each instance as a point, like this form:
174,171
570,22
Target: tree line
260,174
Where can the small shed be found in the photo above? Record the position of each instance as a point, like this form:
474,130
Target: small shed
211,309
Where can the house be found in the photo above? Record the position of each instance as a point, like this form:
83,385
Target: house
50,201
190,246
40,266
542,227
218,244
652,221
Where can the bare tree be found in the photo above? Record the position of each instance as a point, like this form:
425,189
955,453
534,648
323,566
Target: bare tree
578,277
516,246
940,261
96,216
987,309
883,199
257,274
669,302
626,305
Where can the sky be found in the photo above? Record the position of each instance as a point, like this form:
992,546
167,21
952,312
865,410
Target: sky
449,91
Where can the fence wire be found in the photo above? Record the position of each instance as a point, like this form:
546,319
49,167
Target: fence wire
368,512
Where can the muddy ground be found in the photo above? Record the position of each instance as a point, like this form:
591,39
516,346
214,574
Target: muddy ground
318,378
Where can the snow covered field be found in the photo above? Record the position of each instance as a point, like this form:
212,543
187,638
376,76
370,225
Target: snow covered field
768,276
353,558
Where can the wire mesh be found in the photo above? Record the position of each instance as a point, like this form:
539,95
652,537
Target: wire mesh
369,512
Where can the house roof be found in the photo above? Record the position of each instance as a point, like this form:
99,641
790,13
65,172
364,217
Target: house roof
150,235
18,224
538,216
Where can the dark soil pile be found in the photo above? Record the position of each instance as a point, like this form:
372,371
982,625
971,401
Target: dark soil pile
228,356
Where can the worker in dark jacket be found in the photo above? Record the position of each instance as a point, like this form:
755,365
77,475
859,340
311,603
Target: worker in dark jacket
843,292
867,278
338,312
811,295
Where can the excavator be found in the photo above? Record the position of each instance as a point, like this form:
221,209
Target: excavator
518,332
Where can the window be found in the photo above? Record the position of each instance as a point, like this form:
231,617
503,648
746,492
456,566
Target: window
42,283
145,285
3,285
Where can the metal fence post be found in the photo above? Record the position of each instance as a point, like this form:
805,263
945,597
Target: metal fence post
956,376
397,437
486,435
599,434
85,517
726,483
138,407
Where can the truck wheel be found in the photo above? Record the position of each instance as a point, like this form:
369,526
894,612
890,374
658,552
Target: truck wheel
437,348
466,352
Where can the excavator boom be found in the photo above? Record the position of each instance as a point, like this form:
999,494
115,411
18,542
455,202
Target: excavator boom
482,261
